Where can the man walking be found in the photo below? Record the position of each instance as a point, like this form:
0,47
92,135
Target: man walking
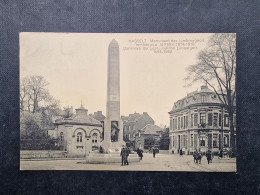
123,155
127,154
209,156
154,152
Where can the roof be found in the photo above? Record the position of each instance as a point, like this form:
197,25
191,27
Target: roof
151,129
134,117
81,117
98,116
195,98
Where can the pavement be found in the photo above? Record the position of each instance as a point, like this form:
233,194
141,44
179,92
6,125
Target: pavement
162,162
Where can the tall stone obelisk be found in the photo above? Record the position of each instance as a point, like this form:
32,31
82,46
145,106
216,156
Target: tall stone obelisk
113,125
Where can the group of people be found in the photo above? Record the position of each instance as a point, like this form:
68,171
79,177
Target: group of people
227,153
209,155
197,155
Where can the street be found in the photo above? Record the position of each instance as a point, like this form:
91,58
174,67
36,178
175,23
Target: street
162,162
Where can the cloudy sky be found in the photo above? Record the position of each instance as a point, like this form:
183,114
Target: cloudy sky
152,68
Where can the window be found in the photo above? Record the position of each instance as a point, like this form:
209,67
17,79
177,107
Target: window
226,140
175,123
139,134
61,137
215,120
79,137
203,98
191,120
94,138
202,141
195,119
186,122
179,121
220,120
184,141
226,120
215,140
191,140
129,136
173,141
133,127
171,123
202,118
210,119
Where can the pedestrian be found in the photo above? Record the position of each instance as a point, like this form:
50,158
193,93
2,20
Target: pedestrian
123,155
127,154
199,157
195,155
154,151
220,154
209,156
140,153
181,153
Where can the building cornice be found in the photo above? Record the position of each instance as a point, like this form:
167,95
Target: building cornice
196,104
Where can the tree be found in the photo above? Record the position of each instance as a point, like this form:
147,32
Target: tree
149,141
165,140
37,107
33,91
216,67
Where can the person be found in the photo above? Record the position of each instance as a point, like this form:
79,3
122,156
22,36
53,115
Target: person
181,153
140,153
154,151
209,156
220,154
101,150
195,154
199,157
229,153
127,154
123,155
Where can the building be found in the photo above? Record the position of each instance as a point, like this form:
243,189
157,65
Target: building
199,121
148,137
133,123
79,133
100,117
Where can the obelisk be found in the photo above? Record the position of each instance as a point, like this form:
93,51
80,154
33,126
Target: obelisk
113,125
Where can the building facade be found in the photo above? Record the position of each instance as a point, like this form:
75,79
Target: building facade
78,134
148,137
199,121
133,123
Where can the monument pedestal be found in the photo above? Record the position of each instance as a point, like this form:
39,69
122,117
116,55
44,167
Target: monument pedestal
98,158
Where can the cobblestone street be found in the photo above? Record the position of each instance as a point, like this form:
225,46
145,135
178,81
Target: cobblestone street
162,162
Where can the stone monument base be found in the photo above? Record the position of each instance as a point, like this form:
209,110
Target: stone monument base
99,158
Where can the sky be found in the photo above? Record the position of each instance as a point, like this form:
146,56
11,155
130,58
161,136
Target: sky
152,68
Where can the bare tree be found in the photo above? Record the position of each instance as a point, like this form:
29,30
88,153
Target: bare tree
216,67
33,91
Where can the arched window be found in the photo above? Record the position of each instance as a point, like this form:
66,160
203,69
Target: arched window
79,137
94,138
61,137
